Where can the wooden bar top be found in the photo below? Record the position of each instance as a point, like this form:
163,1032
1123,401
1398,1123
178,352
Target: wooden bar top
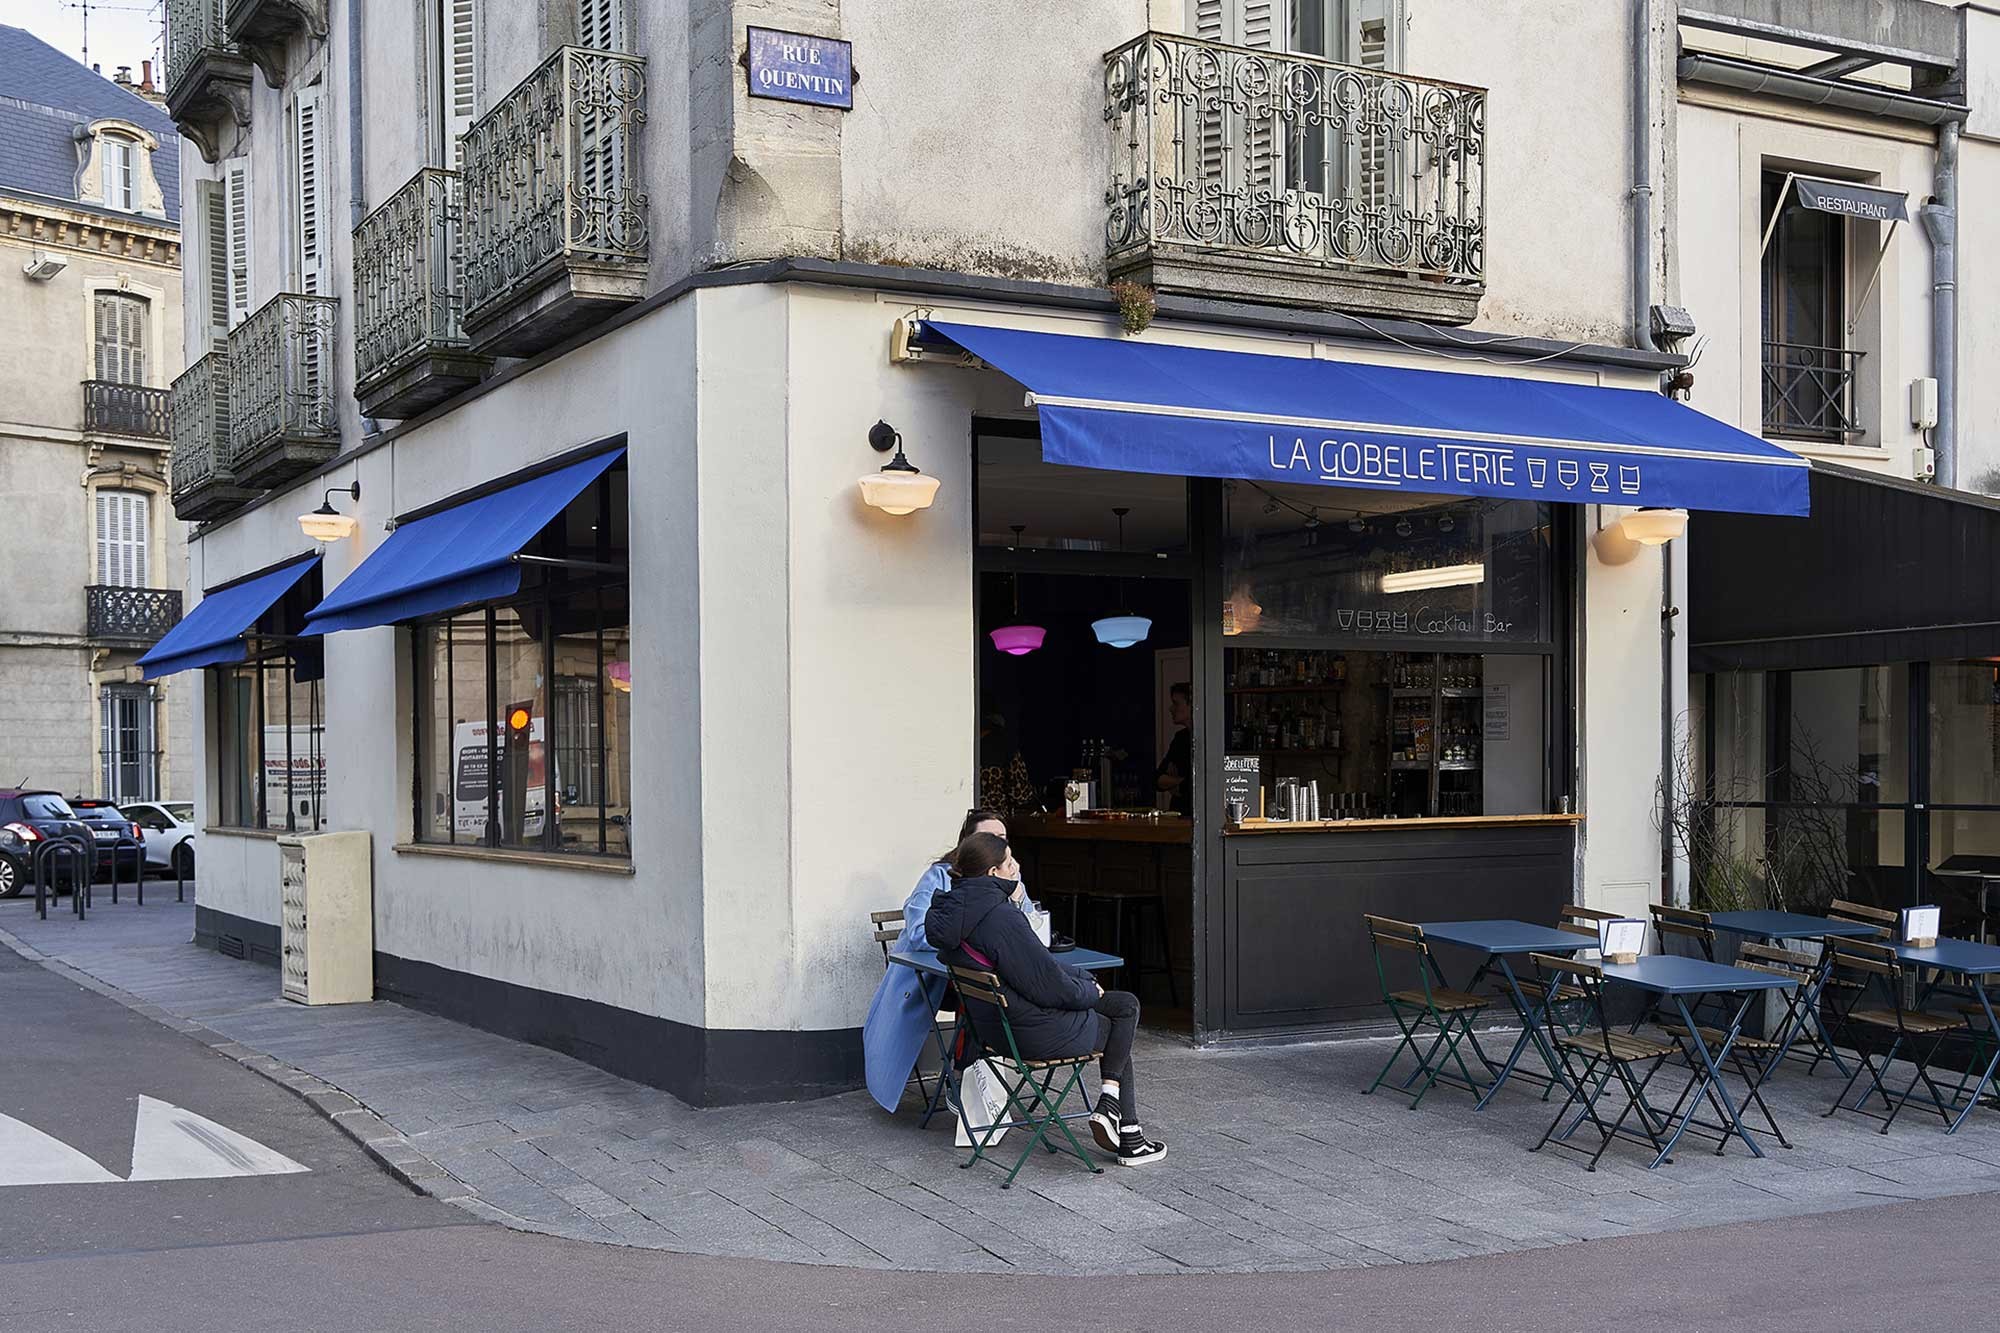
1168,830
1377,825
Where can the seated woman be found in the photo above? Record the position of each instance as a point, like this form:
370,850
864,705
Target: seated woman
906,1001
1056,1010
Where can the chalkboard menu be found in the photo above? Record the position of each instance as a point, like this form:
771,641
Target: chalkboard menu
1242,777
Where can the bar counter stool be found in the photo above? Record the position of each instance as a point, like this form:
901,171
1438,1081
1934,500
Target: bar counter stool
1143,904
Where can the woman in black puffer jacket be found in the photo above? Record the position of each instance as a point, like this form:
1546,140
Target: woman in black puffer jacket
1056,1010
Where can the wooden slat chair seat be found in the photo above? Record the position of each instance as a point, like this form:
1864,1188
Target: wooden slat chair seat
885,933
1918,1034
1443,997
1441,1015
1564,993
1744,1041
1030,1106
1594,1056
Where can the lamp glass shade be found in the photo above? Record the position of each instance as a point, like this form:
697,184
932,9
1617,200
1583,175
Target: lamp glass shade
1655,527
896,491
1018,640
323,525
1121,631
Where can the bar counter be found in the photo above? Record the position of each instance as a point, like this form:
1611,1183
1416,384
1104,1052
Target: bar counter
1126,885
1377,825
1162,830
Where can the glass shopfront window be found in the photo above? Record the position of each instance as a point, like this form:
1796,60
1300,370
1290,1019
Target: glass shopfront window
1388,656
524,705
271,741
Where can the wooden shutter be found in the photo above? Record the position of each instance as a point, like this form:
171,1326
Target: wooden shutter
458,46
600,24
119,323
239,241
214,206
123,538
307,192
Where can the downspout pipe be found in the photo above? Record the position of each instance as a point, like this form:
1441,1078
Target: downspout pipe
1940,219
356,207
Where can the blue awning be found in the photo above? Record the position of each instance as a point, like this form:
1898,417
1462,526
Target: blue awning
212,633
456,556
1132,406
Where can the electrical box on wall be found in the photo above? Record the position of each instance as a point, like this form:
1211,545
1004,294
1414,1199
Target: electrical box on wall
1923,462
327,900
1923,403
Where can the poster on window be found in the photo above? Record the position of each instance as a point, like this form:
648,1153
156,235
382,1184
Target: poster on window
471,780
294,777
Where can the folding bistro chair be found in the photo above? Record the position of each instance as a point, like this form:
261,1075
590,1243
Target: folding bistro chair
1559,999
885,933
1683,923
1801,1022
1753,1058
1595,1056
1843,992
1429,1006
888,928
1923,1033
1029,1106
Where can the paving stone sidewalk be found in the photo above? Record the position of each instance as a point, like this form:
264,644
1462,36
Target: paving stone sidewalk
1277,1162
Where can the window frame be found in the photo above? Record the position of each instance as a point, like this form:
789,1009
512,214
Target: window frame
112,754
123,560
118,153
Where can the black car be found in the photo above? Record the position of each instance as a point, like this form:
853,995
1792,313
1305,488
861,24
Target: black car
120,841
28,820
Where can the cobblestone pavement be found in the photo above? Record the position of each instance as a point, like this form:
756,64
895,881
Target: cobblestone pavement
1277,1162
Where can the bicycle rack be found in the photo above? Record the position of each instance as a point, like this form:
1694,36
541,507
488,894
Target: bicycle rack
45,883
138,857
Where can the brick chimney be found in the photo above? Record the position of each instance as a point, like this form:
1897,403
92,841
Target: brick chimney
146,76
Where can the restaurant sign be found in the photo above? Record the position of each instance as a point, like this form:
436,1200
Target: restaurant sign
1853,201
796,67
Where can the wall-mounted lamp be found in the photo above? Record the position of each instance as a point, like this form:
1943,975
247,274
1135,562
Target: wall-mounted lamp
327,524
1618,543
898,488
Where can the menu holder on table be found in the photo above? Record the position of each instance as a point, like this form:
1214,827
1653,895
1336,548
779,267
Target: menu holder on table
1920,926
1621,939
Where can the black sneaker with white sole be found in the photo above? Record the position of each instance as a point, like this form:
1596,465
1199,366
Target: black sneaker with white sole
1104,1123
1135,1149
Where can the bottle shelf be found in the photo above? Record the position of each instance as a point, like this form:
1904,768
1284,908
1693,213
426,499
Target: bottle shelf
1330,688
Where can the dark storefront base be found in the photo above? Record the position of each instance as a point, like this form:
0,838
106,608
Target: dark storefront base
702,1067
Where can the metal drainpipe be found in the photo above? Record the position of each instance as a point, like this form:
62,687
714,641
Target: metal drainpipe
1940,218
356,203
1642,337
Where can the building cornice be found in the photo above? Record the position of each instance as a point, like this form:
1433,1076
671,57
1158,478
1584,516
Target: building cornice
59,226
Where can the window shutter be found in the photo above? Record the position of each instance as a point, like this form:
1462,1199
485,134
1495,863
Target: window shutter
311,252
600,24
1207,20
457,72
132,334
215,248
123,539
119,324
239,242
105,323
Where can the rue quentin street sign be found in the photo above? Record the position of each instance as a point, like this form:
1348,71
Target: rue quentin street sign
794,67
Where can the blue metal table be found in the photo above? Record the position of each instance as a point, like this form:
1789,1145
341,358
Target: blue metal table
1780,927
927,962
1675,978
1978,963
1497,939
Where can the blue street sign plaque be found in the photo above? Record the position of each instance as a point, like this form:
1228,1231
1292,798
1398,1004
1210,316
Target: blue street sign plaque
794,67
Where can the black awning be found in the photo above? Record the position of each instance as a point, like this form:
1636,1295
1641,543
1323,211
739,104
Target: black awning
1883,571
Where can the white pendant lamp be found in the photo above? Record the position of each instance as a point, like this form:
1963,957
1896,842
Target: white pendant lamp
1124,629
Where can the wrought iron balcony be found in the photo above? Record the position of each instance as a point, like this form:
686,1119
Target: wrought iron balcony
555,219
203,487
281,392
133,616
110,408
208,76
1809,392
1289,179
264,28
410,350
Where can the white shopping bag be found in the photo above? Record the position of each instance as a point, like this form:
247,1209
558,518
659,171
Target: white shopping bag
982,1099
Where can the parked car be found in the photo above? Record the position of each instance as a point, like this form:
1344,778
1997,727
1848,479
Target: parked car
169,829
29,818
119,841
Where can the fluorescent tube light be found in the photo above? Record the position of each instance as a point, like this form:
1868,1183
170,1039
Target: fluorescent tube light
1440,576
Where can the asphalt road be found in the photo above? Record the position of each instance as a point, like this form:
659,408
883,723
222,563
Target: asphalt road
343,1246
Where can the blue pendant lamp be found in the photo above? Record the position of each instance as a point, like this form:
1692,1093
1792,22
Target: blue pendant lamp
1124,629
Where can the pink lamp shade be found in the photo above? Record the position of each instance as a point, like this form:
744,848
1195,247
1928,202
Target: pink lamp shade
1018,640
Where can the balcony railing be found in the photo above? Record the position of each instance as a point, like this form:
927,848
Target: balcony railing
126,409
202,487
208,76
410,349
551,182
1809,391
130,615
281,390
1310,169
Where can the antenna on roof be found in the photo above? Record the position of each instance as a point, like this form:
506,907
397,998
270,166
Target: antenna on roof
87,5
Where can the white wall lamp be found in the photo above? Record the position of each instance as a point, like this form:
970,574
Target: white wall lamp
1620,542
898,488
327,524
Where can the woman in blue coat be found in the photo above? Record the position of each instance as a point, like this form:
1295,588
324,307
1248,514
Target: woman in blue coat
906,1002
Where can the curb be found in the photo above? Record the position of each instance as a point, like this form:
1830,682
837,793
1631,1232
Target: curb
375,1136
